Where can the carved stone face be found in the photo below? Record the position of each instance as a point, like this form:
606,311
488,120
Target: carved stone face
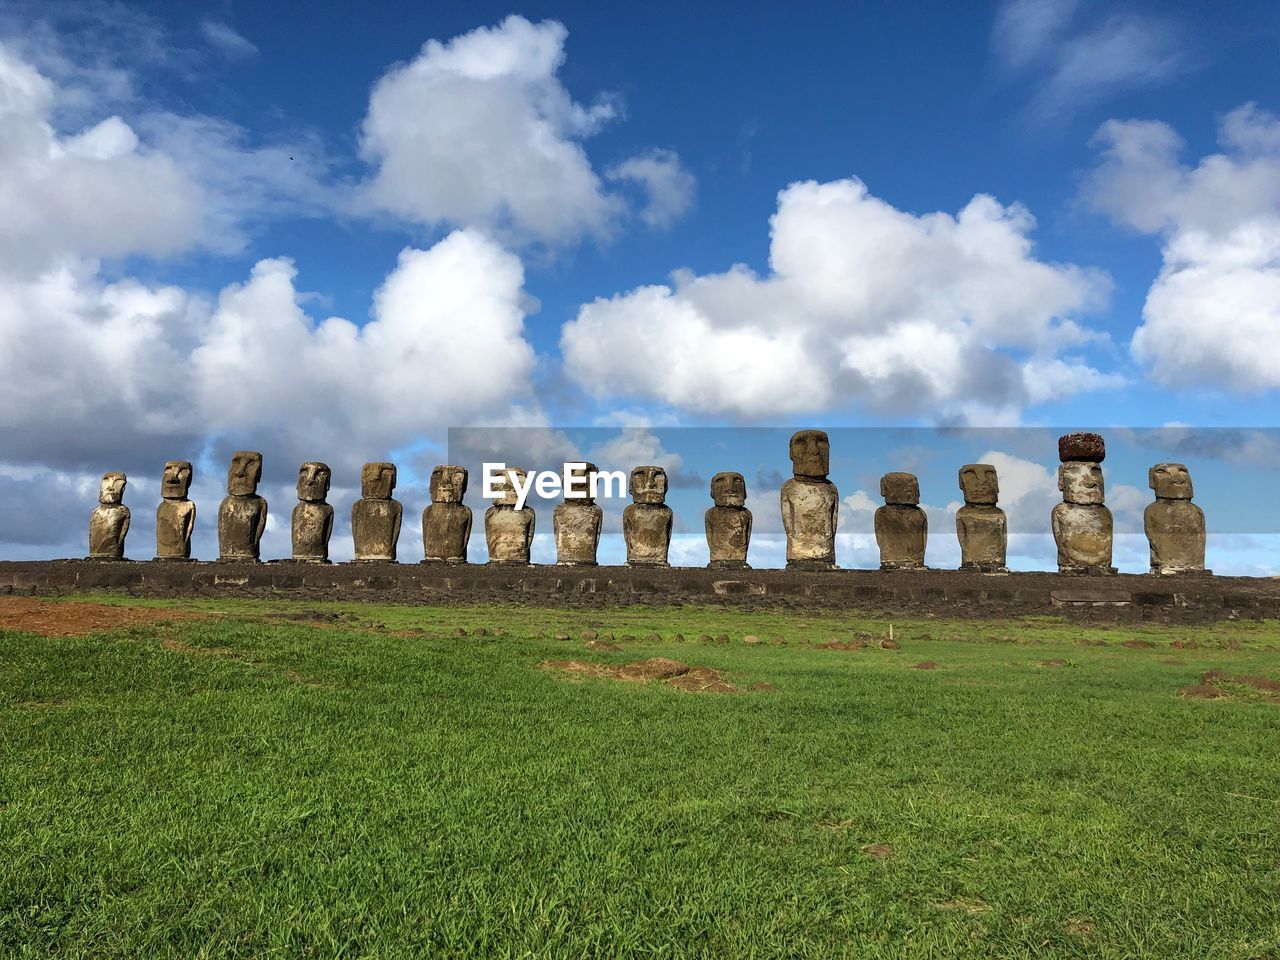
176,480
449,484
506,489
648,484
729,489
979,483
245,472
1080,482
585,472
313,482
377,480
810,454
902,489
111,490
1170,481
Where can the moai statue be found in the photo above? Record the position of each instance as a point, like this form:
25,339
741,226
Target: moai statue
646,522
728,522
810,504
508,532
176,515
109,522
242,517
981,526
375,517
1082,524
577,522
446,523
902,528
1174,525
312,517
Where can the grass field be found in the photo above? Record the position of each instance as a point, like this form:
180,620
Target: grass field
313,780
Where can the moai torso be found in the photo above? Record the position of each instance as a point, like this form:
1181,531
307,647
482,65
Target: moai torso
446,523
508,533
646,523
728,523
576,524
981,526
312,520
902,528
1174,525
242,516
109,522
176,515
810,504
1082,525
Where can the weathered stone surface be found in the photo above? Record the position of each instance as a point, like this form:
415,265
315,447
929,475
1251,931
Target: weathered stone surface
109,522
1082,448
376,517
576,524
1082,525
902,528
176,515
242,516
508,532
1174,525
728,523
981,526
646,522
313,516
446,523
810,504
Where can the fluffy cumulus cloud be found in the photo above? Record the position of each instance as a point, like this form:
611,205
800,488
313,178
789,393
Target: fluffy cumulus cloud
1214,308
865,304
479,130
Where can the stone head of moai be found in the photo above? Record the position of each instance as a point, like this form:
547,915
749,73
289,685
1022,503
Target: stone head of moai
580,481
1081,447
1170,481
175,482
979,484
900,489
245,472
377,480
810,454
1081,482
313,481
649,484
729,489
449,484
111,490
506,486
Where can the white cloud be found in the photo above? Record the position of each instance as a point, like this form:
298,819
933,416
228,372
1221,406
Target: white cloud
864,304
227,40
126,373
1214,309
479,131
669,185
1087,64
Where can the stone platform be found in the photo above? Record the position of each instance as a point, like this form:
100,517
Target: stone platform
937,592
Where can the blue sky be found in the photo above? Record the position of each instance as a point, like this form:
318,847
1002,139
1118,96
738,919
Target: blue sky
1038,213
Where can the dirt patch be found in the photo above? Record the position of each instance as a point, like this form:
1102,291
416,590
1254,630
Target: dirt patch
1080,928
879,851
1202,691
1138,644
1053,662
674,673
1265,684
924,665
607,645
69,619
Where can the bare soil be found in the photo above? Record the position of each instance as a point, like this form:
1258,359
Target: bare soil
70,619
674,673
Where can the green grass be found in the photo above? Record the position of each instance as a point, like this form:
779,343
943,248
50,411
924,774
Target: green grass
343,791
